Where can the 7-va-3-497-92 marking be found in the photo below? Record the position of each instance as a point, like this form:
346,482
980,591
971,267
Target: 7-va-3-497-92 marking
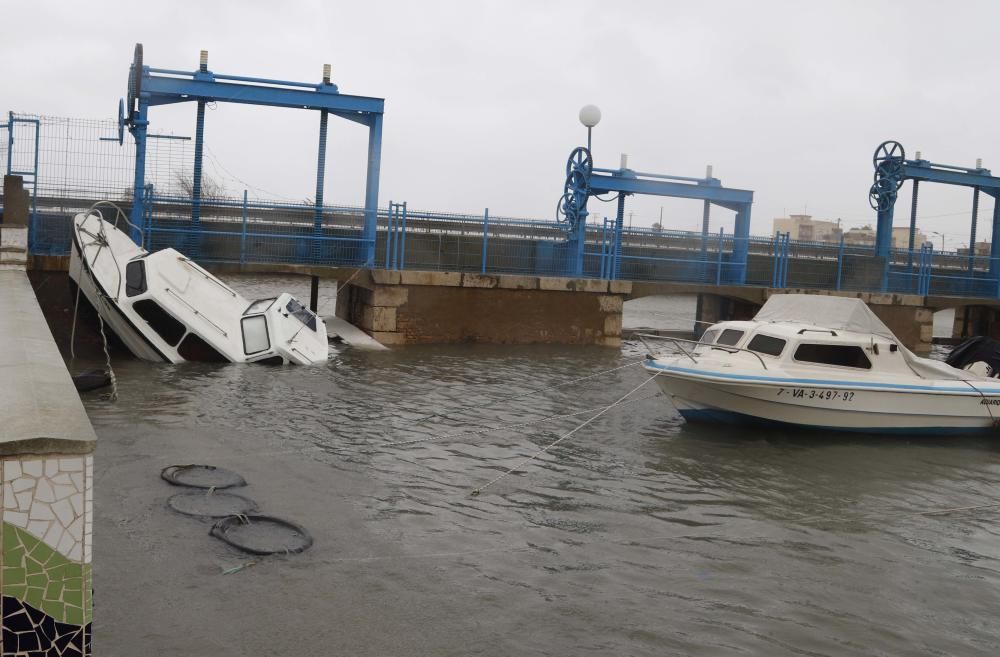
817,393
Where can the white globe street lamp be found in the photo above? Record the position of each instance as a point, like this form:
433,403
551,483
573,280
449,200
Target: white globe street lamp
590,115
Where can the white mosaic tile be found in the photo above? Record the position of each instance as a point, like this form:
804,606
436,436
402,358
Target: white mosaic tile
37,527
64,511
63,492
71,465
11,470
47,498
16,518
41,512
44,492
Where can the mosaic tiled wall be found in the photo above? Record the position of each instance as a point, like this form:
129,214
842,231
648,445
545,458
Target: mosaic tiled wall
45,572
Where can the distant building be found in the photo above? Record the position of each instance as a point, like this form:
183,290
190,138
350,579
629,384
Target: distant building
864,236
901,238
804,227
982,249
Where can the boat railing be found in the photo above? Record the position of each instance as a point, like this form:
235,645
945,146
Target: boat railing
196,312
677,343
193,265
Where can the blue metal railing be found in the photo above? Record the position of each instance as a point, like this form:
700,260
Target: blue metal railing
252,231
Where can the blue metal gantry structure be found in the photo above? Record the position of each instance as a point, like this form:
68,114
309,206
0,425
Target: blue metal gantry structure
583,180
892,169
148,87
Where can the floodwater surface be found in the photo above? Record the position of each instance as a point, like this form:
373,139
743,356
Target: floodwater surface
636,535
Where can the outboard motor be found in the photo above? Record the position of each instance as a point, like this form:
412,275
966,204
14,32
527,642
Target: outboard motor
975,350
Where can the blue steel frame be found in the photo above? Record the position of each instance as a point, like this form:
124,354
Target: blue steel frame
901,169
166,86
583,180
625,182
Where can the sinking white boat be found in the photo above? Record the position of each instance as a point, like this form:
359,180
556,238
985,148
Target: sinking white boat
164,307
821,362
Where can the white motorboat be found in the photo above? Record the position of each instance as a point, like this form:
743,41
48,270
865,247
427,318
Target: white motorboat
822,362
164,307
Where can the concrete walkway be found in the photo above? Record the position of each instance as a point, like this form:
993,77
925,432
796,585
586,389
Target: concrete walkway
38,401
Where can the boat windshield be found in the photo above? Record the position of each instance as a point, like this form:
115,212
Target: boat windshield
730,337
301,313
259,306
708,337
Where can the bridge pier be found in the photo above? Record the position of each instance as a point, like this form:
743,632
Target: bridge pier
414,307
976,320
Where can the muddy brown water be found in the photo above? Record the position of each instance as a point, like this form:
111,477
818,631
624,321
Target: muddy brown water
640,535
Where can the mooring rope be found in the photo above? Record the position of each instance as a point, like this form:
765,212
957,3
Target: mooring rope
518,425
534,391
113,396
986,403
86,269
545,449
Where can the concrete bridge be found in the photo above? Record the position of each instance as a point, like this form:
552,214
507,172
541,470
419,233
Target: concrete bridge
451,278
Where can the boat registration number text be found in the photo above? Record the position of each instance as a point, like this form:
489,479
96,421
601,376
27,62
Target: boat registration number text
816,393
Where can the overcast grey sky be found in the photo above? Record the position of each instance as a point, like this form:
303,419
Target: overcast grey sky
788,99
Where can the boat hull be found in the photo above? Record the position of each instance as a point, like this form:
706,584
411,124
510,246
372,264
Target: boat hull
115,319
865,407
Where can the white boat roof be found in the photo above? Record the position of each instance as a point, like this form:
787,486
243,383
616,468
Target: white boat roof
828,312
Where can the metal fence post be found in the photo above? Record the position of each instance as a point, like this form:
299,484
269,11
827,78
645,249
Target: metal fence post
776,257
148,233
784,260
718,263
243,232
604,248
401,244
616,261
10,142
486,237
388,223
840,260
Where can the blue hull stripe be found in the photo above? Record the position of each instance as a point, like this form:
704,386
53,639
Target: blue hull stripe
649,364
733,418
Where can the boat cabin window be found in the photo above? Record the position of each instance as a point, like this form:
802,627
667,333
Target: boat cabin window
301,313
193,347
708,337
255,338
766,344
165,324
730,337
841,355
135,278
259,306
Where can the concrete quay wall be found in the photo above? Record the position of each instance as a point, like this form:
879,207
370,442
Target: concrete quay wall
413,307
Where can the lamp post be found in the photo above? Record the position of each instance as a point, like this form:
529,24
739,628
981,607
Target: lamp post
941,235
590,115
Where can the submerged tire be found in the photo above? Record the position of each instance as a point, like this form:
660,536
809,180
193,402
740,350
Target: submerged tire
262,534
201,476
211,504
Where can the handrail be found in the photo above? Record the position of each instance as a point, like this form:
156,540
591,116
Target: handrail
193,265
817,330
196,311
721,347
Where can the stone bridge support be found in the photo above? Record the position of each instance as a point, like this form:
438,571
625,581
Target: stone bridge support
976,320
413,307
